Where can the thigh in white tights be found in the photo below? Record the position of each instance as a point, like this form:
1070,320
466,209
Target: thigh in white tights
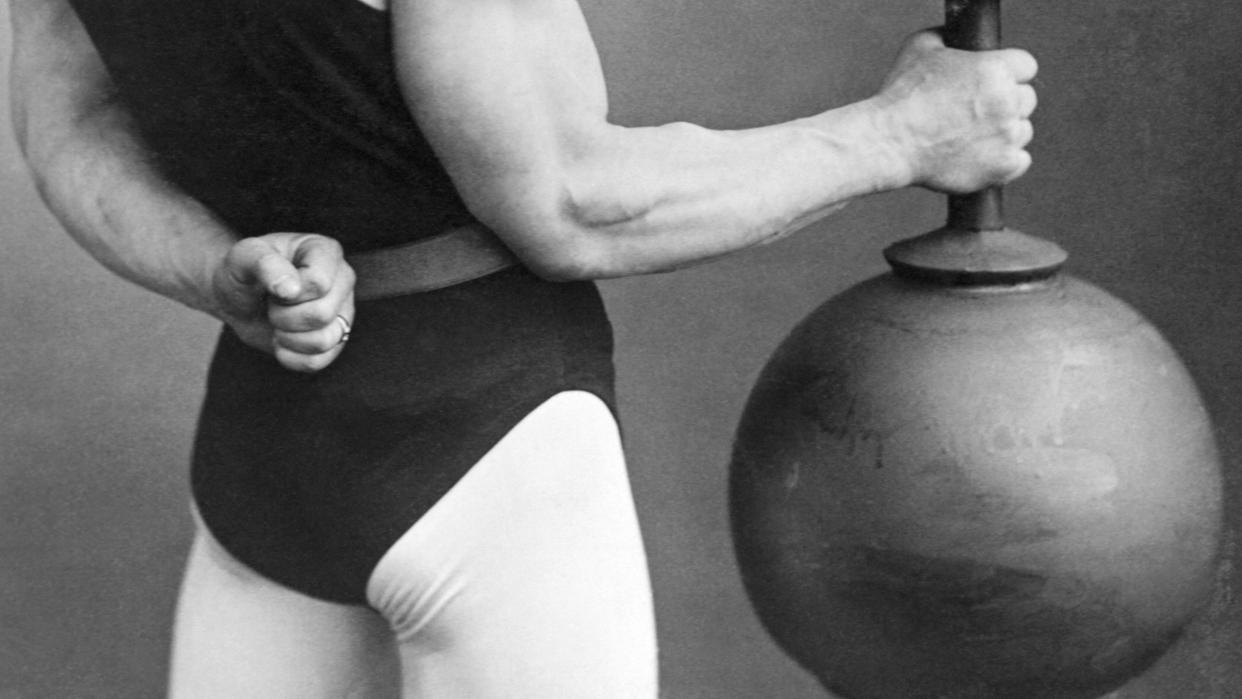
528,579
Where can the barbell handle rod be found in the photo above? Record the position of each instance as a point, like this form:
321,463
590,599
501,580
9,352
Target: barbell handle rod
975,25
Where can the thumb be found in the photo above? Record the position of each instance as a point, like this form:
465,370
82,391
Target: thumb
925,41
258,265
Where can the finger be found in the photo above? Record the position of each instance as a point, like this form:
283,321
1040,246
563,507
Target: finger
321,312
917,45
307,363
252,262
1021,133
303,317
1022,65
1021,162
1027,101
314,351
316,341
927,39
310,342
318,259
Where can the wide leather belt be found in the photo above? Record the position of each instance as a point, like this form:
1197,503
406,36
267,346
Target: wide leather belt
455,256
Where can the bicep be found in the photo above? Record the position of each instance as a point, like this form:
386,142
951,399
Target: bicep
507,91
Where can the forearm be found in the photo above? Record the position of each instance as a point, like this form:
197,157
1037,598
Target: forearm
94,178
93,171
641,200
511,95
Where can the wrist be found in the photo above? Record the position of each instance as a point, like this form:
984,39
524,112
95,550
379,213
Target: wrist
892,141
199,264
867,141
203,288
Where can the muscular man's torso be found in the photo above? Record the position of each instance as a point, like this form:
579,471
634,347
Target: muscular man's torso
285,115
279,114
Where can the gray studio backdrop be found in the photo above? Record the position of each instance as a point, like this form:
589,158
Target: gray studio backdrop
1137,173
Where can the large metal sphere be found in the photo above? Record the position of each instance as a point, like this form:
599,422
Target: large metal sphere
999,492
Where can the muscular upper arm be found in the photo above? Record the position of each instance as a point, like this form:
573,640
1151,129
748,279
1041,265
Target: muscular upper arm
57,76
510,93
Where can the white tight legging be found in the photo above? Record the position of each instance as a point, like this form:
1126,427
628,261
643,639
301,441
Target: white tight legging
528,579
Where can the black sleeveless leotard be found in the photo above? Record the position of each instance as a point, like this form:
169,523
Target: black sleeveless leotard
285,115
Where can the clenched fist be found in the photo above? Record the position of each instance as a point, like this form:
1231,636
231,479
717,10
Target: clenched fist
961,119
291,294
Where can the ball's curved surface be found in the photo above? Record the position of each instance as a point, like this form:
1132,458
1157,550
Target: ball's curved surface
975,492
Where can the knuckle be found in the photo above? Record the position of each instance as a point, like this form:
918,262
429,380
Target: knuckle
327,252
1015,165
1013,132
311,317
333,245
1000,103
1016,62
316,315
920,43
1026,132
304,363
295,239
291,360
347,275
324,242
992,66
916,39
324,340
318,362
313,342
1026,62
1028,100
300,318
